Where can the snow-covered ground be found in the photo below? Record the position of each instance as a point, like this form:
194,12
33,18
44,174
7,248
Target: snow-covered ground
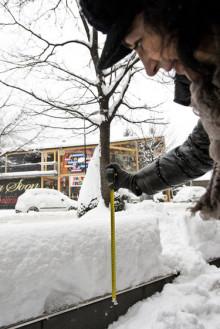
50,260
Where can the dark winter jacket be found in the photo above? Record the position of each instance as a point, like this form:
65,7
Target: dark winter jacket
185,162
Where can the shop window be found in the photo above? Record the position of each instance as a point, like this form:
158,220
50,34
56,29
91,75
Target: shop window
50,161
64,185
50,183
24,162
73,161
74,194
125,160
2,164
75,185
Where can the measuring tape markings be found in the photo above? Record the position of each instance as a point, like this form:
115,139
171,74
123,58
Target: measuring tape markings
113,253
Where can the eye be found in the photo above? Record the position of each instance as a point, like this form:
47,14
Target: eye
138,44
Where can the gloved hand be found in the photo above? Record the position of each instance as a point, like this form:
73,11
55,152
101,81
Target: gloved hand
124,179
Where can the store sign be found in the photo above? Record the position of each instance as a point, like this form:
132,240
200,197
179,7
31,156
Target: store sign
62,152
76,181
11,189
75,162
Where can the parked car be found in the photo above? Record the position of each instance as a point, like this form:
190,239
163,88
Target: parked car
43,199
189,194
159,197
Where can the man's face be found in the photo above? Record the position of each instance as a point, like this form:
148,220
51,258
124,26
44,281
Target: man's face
155,51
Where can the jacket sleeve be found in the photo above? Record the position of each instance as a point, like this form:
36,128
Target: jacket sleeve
182,164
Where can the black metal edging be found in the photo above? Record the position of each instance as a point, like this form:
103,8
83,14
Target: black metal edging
98,313
101,312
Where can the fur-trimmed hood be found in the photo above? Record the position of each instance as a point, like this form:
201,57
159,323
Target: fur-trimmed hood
206,100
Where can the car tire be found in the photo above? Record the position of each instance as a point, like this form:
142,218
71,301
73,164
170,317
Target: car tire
71,208
33,209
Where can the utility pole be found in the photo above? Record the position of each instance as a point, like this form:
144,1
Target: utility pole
85,144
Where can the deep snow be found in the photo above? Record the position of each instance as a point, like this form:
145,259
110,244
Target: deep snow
50,260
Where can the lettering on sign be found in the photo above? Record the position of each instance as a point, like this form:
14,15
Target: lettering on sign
11,189
19,186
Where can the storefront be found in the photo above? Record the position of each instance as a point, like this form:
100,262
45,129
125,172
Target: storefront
133,155
10,189
62,169
25,170
73,165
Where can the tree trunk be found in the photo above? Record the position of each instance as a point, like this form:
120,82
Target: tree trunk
104,159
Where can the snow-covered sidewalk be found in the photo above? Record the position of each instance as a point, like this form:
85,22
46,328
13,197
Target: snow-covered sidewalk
51,260
192,301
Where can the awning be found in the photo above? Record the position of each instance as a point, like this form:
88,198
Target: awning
28,174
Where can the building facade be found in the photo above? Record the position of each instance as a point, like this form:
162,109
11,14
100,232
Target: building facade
64,168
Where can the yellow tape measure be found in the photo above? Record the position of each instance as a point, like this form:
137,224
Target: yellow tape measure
113,254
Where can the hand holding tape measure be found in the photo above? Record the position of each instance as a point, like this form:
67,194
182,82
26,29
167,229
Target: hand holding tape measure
111,178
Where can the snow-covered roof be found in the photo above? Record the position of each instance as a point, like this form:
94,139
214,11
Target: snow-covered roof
55,143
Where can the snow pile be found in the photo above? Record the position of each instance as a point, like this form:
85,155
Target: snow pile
204,236
90,189
189,193
50,262
191,302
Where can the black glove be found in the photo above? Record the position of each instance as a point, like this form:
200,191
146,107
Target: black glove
123,179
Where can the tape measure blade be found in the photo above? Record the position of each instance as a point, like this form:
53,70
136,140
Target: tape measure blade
113,254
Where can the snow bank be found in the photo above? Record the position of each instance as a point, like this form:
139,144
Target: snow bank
186,241
192,303
51,261
204,236
90,189
189,193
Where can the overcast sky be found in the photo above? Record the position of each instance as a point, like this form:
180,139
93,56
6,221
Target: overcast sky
181,119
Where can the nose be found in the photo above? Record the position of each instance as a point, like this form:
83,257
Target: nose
151,65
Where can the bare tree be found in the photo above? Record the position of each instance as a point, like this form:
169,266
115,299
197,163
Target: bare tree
152,141
54,64
12,125
152,146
